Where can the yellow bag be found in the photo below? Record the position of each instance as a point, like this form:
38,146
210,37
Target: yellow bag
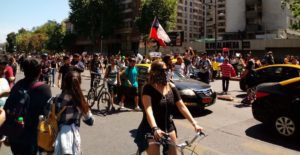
48,129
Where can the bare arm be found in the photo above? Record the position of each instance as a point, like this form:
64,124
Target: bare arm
118,78
58,80
2,116
186,113
146,100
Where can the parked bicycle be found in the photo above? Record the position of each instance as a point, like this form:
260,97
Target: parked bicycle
99,93
184,148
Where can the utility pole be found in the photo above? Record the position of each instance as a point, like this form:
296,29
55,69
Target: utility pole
216,43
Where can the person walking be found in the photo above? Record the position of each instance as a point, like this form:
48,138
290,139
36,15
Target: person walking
77,63
63,70
39,93
250,77
112,75
131,74
76,108
159,97
204,66
227,72
95,68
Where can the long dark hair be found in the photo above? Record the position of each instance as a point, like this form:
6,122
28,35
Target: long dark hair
72,82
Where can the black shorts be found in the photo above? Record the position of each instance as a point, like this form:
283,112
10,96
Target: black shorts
112,88
131,91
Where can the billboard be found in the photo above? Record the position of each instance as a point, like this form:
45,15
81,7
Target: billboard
177,37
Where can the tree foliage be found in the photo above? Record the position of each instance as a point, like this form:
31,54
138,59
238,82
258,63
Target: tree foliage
294,7
48,36
164,10
94,18
11,42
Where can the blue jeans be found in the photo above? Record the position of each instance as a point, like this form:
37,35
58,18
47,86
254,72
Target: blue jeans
53,72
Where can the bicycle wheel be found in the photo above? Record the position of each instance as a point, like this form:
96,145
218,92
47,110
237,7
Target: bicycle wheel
194,149
91,96
103,100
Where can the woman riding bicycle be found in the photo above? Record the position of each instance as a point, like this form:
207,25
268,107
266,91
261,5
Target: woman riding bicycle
159,97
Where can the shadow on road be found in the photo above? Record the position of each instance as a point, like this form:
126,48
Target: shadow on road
242,105
267,134
241,96
195,113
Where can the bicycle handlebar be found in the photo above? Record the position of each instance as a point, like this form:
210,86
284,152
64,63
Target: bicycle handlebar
95,73
167,140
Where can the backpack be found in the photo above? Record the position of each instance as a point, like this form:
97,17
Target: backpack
48,128
16,109
251,78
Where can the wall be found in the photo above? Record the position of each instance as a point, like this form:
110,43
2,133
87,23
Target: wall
274,17
235,15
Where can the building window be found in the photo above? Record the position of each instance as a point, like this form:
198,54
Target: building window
221,30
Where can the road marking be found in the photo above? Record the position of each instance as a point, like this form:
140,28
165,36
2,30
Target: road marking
267,149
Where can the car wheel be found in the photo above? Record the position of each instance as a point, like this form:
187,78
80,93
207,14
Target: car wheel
285,126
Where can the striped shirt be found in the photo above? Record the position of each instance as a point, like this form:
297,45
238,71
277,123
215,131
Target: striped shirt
226,70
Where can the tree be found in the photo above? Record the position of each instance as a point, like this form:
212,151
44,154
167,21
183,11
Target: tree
164,10
94,19
11,42
294,7
23,41
54,33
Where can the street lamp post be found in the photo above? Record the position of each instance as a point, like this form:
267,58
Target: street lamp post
216,41
215,24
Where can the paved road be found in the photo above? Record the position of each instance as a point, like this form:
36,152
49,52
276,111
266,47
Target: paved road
231,130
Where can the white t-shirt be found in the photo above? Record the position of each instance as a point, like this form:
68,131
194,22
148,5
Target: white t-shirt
4,87
179,68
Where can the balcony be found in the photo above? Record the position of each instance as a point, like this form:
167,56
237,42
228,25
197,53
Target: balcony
253,27
253,2
254,14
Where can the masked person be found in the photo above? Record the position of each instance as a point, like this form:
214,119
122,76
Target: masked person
159,97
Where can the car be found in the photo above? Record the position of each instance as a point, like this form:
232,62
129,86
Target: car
273,73
278,104
193,93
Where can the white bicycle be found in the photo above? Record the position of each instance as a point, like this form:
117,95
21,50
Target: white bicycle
184,148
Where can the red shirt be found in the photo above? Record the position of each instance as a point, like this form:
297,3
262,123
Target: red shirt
9,72
227,70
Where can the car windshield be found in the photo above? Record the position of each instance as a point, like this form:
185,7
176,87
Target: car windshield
178,76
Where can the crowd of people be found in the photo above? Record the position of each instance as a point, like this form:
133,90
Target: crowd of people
158,95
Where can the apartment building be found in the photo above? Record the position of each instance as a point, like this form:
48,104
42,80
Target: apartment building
126,37
215,17
190,19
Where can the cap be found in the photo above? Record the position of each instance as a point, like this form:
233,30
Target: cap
132,59
203,53
76,55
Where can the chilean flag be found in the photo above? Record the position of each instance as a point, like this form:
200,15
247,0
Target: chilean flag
158,33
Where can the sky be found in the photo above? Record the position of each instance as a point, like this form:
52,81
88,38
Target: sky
16,14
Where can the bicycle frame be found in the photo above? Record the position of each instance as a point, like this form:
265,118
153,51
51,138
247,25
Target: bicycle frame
181,146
